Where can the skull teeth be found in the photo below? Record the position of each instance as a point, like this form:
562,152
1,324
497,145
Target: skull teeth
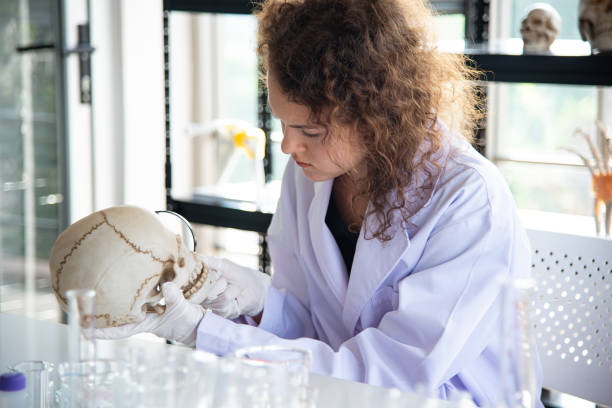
195,285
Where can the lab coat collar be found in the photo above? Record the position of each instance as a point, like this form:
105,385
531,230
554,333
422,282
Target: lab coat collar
330,263
375,260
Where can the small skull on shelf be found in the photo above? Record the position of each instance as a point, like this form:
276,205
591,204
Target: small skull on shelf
595,24
539,28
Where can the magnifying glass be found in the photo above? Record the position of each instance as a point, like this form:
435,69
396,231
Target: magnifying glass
179,225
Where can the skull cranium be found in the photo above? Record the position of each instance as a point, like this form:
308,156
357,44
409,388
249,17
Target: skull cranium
595,23
540,27
125,253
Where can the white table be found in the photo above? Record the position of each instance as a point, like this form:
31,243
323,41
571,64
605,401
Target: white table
27,339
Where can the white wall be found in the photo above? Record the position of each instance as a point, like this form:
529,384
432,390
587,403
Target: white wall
79,141
126,162
143,102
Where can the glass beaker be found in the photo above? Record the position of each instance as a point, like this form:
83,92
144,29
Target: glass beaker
278,376
81,324
295,360
162,376
308,396
37,382
206,366
519,362
92,384
232,389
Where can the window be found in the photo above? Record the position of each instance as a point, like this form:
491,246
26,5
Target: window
31,170
213,75
531,125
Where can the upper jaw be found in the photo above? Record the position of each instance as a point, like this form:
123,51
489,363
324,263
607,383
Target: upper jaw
196,282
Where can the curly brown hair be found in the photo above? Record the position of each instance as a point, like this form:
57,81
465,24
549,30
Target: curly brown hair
372,64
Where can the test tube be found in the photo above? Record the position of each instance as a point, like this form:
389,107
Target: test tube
81,324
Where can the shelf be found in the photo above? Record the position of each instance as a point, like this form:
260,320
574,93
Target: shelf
222,213
247,6
551,69
211,6
569,62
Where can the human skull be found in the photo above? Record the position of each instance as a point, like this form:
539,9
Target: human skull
595,23
540,27
125,253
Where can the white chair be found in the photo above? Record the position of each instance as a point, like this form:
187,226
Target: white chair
573,319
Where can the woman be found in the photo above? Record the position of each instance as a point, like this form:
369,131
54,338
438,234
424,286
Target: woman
392,235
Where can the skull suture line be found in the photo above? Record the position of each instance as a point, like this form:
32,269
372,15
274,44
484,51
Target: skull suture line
595,23
125,254
540,27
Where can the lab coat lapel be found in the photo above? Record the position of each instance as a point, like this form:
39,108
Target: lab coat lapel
373,262
330,262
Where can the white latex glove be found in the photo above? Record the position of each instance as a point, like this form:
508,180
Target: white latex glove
245,292
179,322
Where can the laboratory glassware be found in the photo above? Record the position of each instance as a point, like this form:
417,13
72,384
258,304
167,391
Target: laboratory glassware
518,357
162,376
278,374
92,384
295,360
37,375
81,324
12,390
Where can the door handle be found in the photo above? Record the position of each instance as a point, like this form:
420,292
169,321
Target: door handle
83,50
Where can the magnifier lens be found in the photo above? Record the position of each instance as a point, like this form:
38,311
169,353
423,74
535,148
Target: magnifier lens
178,225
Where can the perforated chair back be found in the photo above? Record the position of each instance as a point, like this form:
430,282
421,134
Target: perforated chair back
573,316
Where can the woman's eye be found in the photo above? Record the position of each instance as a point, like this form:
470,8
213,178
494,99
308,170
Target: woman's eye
310,134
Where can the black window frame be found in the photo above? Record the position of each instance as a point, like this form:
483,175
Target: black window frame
226,213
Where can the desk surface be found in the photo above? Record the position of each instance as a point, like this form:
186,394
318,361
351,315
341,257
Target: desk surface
27,339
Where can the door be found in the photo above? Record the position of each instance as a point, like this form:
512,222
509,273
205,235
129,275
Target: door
35,102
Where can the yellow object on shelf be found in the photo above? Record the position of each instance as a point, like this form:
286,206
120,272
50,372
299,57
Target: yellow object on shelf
252,140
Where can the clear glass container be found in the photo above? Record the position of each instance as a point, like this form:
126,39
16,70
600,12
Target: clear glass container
276,376
169,377
81,324
92,384
518,359
37,374
12,390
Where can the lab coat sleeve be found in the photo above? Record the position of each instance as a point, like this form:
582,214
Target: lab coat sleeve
447,312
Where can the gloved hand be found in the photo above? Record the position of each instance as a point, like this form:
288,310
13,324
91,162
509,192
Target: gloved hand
245,292
179,322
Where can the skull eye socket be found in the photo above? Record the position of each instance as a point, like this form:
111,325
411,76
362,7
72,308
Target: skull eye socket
167,275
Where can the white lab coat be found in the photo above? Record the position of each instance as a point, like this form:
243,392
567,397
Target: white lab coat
421,309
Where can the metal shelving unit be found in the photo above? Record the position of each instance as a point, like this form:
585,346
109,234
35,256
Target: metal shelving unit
217,212
223,213
551,69
210,6
227,213
496,66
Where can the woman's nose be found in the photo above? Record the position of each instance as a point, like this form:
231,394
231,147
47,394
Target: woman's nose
291,142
